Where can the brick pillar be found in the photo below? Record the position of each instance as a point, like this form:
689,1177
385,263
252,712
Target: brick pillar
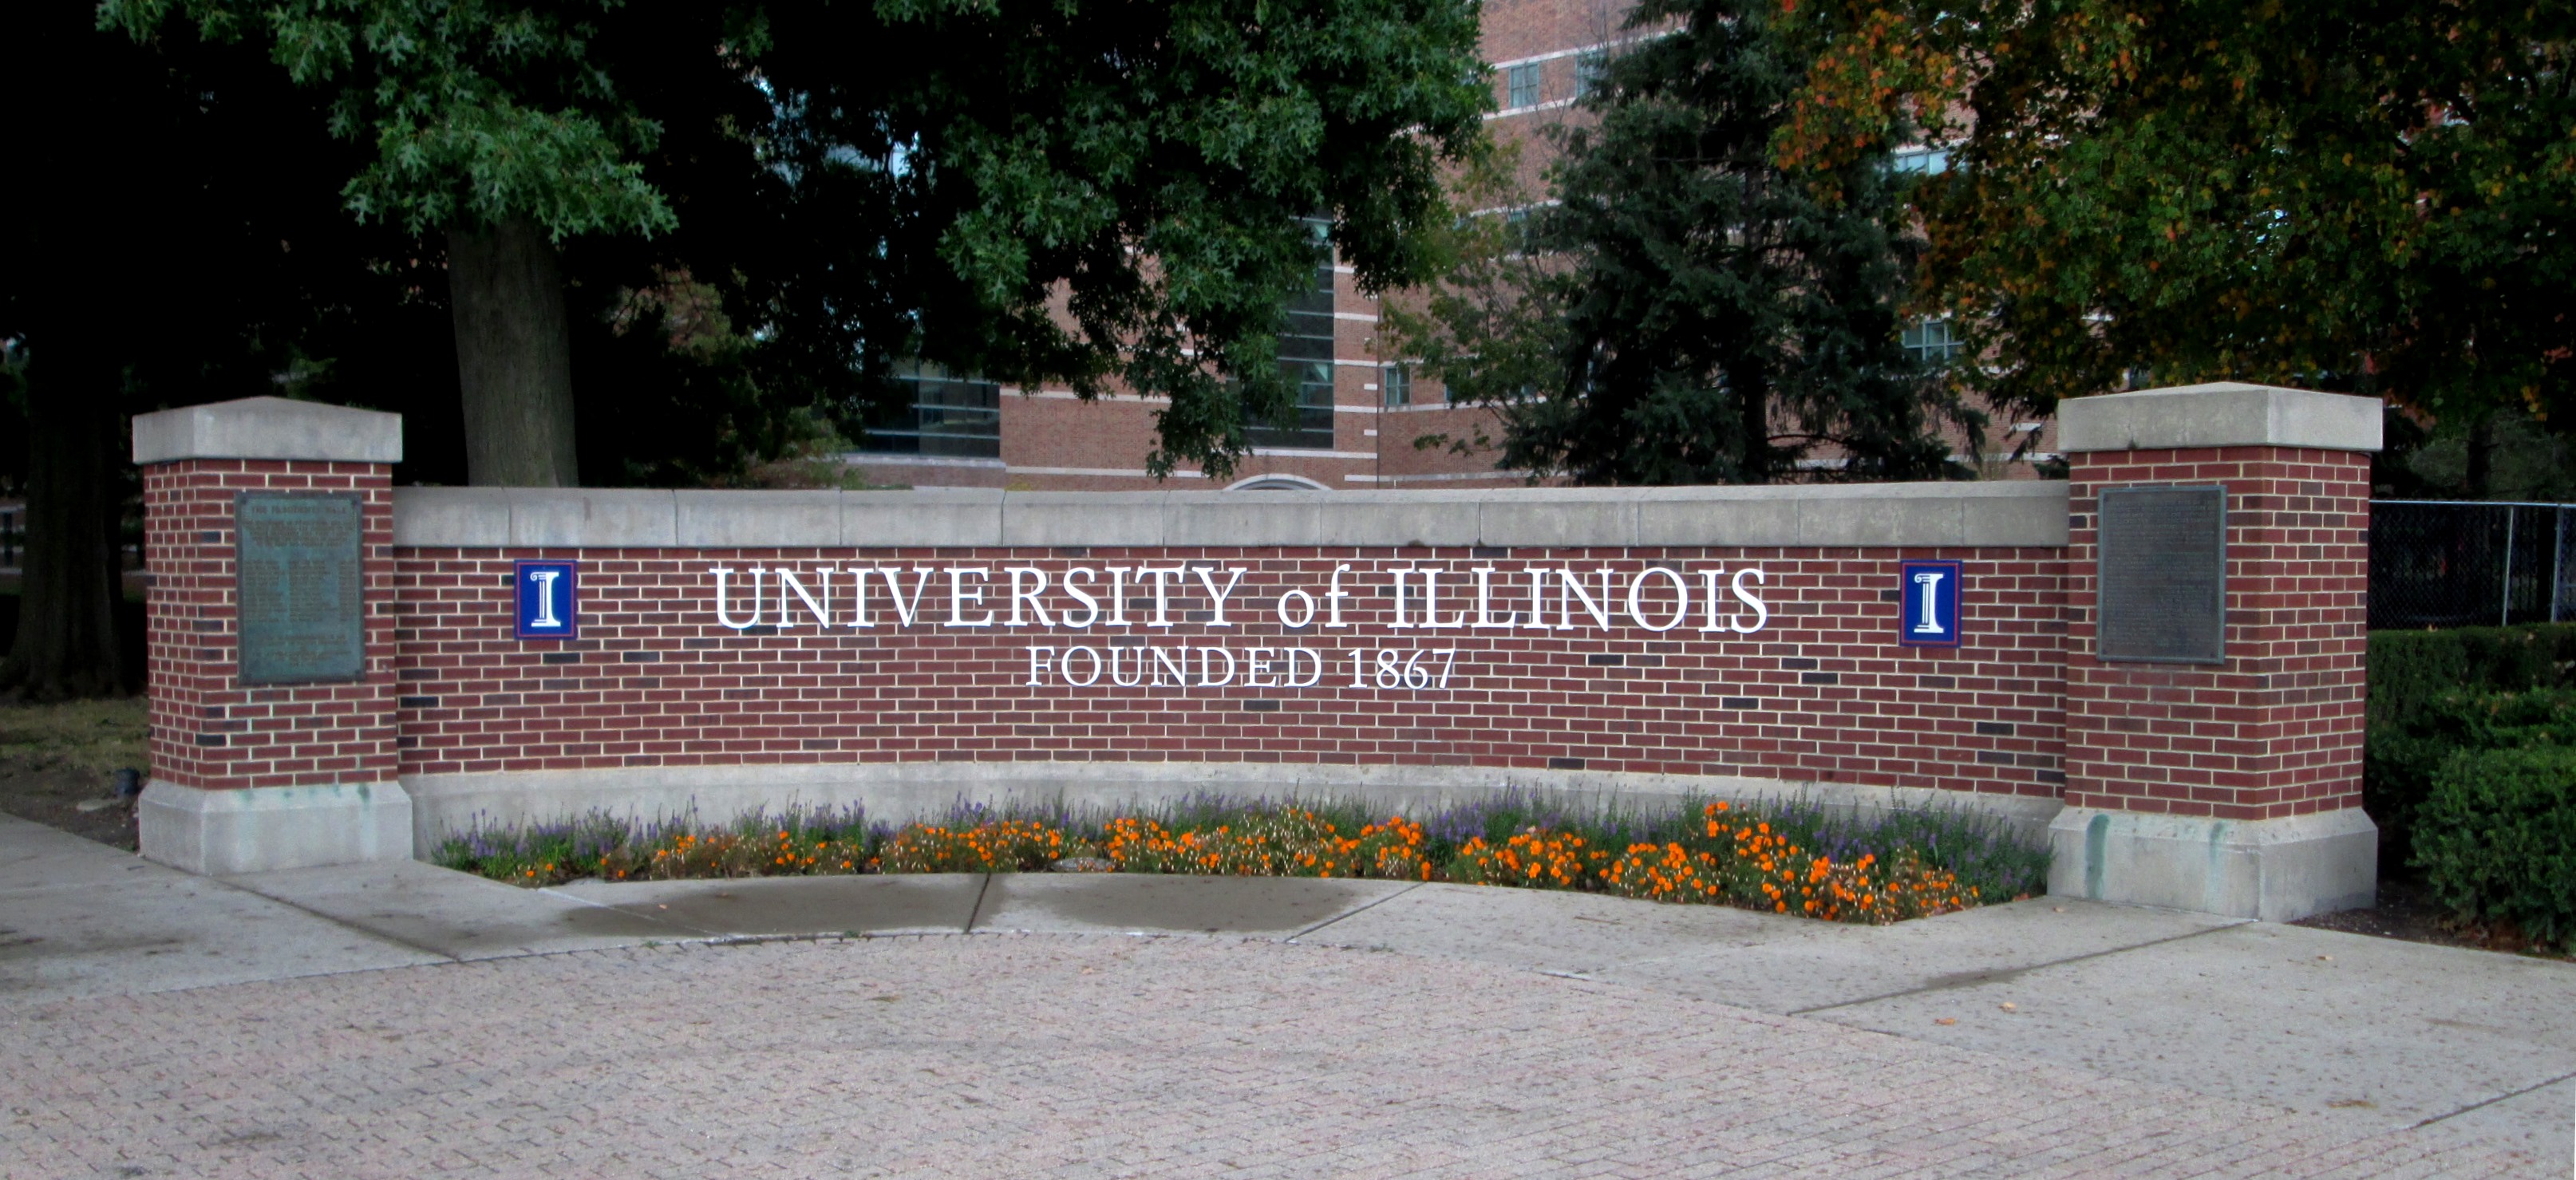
2231,787
300,769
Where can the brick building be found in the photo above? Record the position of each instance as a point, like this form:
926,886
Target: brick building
1361,413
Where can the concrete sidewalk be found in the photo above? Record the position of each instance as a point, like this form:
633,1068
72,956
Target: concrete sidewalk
2376,1035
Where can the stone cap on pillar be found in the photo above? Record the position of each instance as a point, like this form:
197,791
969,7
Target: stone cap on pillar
2220,414
268,428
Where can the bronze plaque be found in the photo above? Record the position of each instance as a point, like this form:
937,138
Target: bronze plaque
301,587
2163,582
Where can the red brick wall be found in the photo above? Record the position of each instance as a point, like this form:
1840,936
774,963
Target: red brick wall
1822,692
2277,730
207,730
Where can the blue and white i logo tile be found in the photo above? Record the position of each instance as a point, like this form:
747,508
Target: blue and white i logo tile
1930,592
549,600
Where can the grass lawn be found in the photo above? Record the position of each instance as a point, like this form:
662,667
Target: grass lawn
53,758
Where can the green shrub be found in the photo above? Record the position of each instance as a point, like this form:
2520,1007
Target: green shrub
2398,763
2497,838
2411,670
2434,693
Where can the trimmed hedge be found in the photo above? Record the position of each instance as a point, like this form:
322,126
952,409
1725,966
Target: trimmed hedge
2497,839
2399,764
2434,693
2410,670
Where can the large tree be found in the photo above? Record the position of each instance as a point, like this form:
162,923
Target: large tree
740,219
158,249
1105,194
2377,197
1691,308
492,131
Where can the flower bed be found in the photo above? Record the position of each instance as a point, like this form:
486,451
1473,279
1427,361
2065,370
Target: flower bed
1787,860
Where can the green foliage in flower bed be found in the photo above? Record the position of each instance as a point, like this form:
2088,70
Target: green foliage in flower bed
2497,837
1780,857
794,842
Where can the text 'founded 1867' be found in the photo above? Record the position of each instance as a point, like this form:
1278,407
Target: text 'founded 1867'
2163,575
302,560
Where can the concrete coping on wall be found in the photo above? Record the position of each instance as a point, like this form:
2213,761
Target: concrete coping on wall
268,428
1912,515
2221,414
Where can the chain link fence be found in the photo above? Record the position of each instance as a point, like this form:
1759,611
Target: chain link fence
2441,563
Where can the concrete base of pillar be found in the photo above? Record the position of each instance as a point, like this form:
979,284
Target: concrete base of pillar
2278,870
261,828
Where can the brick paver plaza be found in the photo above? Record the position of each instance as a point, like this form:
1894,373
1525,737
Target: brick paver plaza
1068,1055
307,999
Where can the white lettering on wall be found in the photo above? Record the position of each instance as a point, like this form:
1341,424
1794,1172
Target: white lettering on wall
726,619
1023,592
907,611
1298,618
1761,613
1573,586
1485,601
1431,602
1637,604
959,597
1090,605
1162,576
1216,597
821,610
1091,671
1420,597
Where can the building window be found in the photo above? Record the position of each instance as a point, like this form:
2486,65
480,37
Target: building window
1926,161
1932,342
1523,81
944,416
1588,69
1306,360
1399,385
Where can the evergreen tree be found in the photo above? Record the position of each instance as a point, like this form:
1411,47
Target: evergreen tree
1707,316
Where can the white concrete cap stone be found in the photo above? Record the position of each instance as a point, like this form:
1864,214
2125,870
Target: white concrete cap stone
268,428
2029,513
2220,414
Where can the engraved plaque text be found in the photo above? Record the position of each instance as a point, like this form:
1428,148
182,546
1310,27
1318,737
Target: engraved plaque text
2164,575
301,562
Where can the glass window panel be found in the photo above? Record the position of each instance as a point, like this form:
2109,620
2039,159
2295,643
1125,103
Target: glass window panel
1932,341
1588,69
1311,425
949,417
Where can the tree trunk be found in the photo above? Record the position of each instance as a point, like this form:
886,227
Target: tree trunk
1753,418
2481,473
66,645
513,355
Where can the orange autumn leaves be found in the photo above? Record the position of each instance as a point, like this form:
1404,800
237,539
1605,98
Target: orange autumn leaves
1875,71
